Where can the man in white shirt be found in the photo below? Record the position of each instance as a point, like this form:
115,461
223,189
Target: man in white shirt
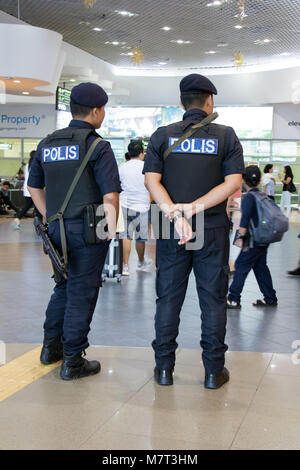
135,202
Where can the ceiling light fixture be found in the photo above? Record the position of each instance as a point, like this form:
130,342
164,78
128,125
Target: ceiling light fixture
17,81
162,63
116,43
180,41
261,42
126,13
166,28
25,92
97,29
72,80
210,52
285,54
216,3
222,44
238,26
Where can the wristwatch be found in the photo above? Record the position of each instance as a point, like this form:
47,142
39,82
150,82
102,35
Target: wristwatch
239,236
178,216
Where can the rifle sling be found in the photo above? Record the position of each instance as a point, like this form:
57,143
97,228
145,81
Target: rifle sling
190,132
59,215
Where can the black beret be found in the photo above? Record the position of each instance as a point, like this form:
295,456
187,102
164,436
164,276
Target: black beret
89,94
195,83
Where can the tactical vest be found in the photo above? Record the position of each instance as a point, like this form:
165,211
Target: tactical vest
195,167
62,154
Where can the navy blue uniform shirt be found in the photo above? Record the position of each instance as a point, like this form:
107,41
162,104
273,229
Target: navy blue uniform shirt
233,160
102,161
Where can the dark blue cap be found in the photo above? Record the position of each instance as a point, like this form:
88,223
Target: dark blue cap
89,94
195,83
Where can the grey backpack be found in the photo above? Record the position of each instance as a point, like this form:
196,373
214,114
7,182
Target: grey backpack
272,224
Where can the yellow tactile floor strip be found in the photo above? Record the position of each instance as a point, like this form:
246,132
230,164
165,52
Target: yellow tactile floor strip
21,372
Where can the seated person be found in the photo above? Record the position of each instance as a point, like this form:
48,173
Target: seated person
4,197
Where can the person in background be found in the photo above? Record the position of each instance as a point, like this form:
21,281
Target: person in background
4,198
254,257
135,202
268,181
295,272
28,201
286,193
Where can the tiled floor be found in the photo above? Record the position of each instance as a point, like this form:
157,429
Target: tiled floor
124,313
122,407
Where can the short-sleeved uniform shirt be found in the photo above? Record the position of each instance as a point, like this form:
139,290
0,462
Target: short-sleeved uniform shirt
233,162
102,161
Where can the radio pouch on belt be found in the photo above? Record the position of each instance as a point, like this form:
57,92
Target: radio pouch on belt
60,214
191,131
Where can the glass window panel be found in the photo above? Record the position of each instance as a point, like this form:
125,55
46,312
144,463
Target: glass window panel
118,147
10,148
286,151
29,145
256,150
248,122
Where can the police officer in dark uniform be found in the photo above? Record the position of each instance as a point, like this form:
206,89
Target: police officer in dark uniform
199,174
55,165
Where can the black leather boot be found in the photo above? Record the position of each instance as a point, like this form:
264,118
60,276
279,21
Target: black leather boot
214,381
163,376
74,366
52,351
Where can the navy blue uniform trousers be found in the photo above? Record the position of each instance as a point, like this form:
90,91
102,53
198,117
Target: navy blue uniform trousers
210,266
255,258
73,302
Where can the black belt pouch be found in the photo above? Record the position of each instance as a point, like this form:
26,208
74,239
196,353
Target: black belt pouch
94,225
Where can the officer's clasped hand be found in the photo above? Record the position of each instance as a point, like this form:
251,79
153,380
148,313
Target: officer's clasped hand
188,210
184,230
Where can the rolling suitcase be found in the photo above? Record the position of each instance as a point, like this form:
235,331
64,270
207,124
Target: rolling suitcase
113,265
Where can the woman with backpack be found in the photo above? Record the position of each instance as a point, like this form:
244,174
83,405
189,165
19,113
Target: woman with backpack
288,188
253,255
